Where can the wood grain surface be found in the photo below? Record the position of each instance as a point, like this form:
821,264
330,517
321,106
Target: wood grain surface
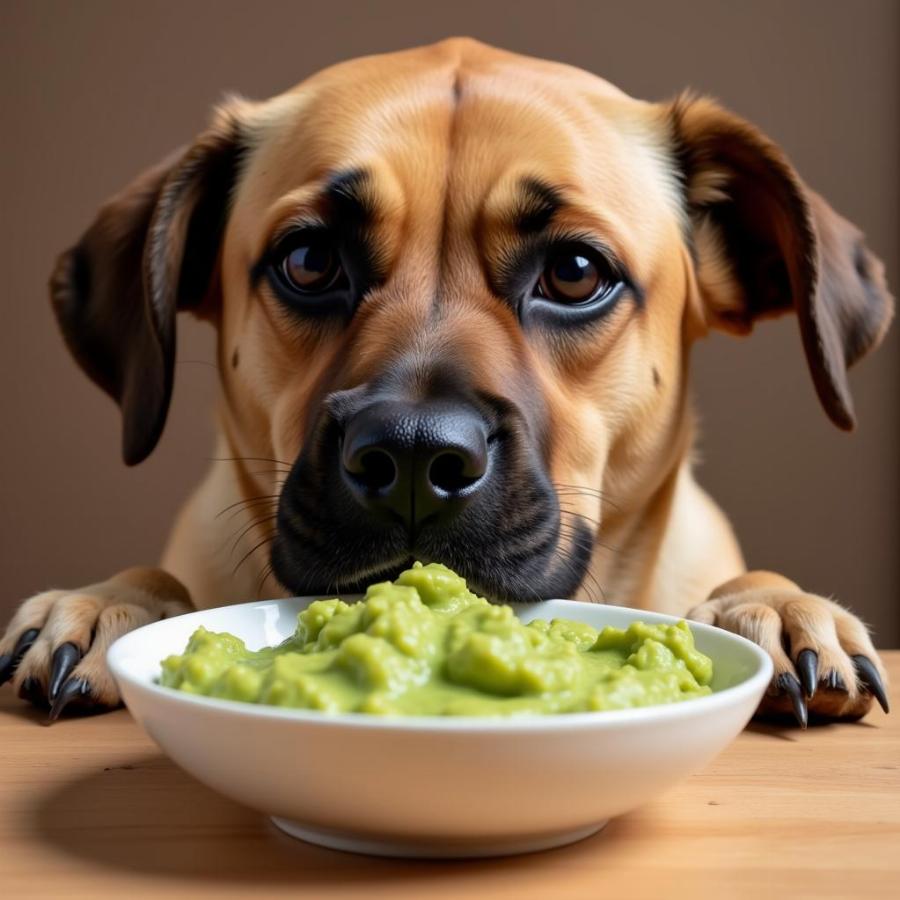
91,808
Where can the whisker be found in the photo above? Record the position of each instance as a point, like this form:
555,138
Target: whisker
266,540
567,560
256,523
589,495
272,503
595,581
248,500
580,515
267,574
588,574
585,491
596,535
567,529
571,531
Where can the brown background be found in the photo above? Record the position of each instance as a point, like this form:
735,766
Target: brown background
92,92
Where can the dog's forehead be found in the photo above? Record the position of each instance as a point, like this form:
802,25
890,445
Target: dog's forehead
459,126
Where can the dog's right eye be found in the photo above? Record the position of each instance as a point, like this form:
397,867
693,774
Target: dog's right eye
307,263
576,275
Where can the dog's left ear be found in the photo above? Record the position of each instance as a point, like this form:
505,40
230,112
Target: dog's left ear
765,244
151,251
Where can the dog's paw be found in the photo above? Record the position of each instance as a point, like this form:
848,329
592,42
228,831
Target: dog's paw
825,664
54,649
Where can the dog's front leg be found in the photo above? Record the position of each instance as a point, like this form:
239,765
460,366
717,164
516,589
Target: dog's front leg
54,649
825,664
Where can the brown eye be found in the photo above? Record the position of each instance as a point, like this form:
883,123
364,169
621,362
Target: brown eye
575,275
310,265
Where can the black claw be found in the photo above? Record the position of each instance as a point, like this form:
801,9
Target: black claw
26,639
834,681
807,666
9,661
789,685
74,689
65,658
868,675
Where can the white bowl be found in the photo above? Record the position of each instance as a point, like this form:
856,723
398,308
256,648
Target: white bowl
432,786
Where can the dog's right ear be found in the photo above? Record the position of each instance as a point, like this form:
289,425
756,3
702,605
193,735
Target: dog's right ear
151,251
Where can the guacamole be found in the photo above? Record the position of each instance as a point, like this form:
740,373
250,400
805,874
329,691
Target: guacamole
426,645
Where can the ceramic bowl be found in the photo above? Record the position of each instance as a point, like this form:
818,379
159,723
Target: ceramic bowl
434,786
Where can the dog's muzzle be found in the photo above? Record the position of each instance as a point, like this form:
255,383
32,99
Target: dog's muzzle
445,473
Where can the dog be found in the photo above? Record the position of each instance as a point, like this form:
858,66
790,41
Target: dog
455,291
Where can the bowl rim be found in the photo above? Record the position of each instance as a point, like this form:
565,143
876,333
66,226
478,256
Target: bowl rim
515,723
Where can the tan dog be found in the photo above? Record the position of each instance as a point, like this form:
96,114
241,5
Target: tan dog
455,292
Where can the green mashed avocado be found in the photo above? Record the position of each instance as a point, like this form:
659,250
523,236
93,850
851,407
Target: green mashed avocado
426,645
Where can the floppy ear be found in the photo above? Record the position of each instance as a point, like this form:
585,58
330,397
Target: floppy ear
765,244
151,251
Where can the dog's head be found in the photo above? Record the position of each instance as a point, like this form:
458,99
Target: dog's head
455,289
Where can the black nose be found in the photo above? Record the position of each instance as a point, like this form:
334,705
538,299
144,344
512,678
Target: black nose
415,461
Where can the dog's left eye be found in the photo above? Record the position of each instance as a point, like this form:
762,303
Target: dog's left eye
576,275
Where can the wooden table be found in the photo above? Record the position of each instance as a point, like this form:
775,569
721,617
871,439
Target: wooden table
90,808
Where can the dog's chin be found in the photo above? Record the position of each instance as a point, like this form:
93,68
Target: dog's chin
487,572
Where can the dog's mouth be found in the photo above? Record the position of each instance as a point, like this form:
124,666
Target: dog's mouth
357,582
364,501
532,576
